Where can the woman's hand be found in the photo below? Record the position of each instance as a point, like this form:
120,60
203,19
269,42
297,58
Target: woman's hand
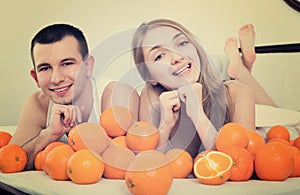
191,95
169,109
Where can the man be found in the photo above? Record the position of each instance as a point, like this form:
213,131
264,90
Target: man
62,69
60,57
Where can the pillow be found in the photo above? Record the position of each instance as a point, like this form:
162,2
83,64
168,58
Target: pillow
267,116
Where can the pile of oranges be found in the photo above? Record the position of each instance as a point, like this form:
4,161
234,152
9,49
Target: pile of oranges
242,154
120,148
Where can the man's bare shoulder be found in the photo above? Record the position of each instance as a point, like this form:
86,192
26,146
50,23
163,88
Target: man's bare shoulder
32,119
36,105
38,100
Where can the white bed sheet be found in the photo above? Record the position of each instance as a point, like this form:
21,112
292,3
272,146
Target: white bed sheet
37,182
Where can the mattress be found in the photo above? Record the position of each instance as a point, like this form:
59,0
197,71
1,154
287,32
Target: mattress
37,182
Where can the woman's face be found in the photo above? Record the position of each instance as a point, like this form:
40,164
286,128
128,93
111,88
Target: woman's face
172,60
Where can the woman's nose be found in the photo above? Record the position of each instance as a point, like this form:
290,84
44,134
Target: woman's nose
176,58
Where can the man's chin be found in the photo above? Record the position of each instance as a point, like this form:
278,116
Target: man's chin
62,101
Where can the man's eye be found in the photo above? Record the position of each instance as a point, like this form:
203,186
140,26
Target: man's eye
67,63
43,69
159,57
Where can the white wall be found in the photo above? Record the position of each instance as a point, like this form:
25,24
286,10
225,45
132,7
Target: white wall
211,21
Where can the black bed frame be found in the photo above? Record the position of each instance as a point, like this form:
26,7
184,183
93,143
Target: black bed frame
282,48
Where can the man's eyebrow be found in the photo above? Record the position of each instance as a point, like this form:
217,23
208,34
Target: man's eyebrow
62,61
42,65
68,59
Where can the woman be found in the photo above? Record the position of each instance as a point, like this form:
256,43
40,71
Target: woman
185,96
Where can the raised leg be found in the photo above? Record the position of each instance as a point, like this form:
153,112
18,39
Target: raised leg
247,43
239,71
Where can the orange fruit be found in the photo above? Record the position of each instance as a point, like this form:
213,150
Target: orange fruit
201,154
116,161
56,162
38,161
232,134
256,141
13,158
88,136
116,120
85,167
296,142
214,168
120,141
4,138
281,140
46,151
296,154
142,136
180,162
242,163
278,131
149,174
273,162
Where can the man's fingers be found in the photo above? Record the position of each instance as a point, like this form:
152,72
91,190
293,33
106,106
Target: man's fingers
78,114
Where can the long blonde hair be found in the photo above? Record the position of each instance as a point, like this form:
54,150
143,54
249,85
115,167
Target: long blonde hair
213,90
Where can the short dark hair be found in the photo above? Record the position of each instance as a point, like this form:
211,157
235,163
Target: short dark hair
57,32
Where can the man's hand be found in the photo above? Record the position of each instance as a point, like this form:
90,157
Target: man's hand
63,118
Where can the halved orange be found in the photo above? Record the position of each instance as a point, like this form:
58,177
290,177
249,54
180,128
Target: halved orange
214,168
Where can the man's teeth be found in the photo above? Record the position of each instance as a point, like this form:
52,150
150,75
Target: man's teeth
60,90
182,70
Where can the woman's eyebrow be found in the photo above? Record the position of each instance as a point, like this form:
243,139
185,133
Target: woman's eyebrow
177,35
155,47
160,46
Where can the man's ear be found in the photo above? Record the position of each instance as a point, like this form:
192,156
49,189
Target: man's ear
34,76
89,65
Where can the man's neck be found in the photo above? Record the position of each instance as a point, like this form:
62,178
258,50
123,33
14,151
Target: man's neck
85,101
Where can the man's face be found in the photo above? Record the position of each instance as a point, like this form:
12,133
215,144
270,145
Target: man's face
57,65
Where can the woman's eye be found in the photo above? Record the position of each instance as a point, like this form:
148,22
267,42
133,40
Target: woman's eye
158,57
183,43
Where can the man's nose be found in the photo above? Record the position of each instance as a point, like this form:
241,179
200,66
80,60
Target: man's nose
57,76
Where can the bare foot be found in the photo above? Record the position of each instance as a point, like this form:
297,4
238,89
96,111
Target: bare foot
236,65
247,41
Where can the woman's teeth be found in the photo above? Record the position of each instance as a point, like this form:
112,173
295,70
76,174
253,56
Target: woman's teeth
60,90
182,70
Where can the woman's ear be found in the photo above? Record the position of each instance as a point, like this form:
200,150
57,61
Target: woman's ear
153,82
89,65
34,76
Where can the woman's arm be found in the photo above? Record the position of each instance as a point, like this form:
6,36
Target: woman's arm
161,109
192,96
122,94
